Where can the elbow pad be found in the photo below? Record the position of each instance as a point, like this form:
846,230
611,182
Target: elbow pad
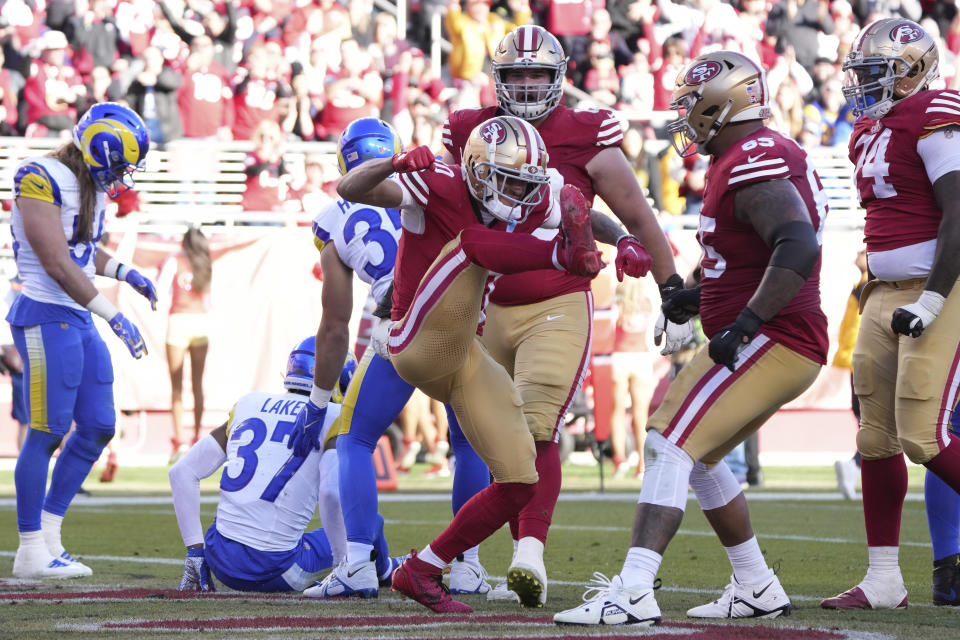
795,247
385,305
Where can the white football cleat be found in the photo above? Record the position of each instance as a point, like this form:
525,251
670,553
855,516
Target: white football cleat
764,600
527,577
609,602
357,579
468,577
502,592
66,557
34,562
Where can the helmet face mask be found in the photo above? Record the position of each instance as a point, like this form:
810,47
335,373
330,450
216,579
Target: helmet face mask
521,51
300,368
505,168
891,59
114,142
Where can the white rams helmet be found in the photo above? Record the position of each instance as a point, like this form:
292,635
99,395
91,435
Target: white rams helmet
890,59
712,91
500,152
529,47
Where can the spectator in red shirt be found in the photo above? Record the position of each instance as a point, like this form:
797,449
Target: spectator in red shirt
267,177
222,31
256,93
357,92
602,81
53,88
205,98
665,71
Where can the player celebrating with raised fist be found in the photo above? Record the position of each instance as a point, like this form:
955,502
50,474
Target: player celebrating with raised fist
906,365
759,303
446,256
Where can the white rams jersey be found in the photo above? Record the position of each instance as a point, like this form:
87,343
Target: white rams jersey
365,237
50,181
267,494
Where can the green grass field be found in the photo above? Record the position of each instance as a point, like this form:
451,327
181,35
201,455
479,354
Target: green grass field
817,545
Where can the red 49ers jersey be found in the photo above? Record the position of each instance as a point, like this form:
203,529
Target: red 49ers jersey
572,137
445,209
893,185
735,256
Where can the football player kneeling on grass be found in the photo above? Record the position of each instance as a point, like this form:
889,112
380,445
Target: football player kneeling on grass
267,494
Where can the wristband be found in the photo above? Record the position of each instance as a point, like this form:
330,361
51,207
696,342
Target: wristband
624,235
931,301
113,265
102,307
320,397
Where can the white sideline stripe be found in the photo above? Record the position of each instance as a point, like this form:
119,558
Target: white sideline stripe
570,496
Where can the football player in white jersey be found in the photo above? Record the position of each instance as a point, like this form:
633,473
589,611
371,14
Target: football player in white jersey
359,238
57,219
267,493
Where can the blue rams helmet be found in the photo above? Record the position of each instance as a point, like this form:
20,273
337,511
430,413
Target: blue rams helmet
301,364
365,139
114,142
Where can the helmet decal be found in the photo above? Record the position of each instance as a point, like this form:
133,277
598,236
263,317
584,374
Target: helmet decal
905,33
703,72
493,132
113,140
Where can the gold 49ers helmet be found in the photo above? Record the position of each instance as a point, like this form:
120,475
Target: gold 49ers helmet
712,91
890,59
505,167
529,47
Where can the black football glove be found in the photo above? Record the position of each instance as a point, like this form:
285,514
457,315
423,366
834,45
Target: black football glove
679,304
729,341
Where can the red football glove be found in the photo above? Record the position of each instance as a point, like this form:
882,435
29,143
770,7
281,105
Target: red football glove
416,159
632,258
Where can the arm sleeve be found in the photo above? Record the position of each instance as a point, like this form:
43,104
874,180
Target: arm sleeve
940,153
201,461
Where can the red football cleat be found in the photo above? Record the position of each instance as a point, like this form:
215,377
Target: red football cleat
577,252
424,583
855,598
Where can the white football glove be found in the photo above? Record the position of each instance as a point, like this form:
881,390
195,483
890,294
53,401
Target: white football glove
380,337
677,335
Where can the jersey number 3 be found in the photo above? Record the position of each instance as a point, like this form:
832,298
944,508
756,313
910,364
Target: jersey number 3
377,235
248,454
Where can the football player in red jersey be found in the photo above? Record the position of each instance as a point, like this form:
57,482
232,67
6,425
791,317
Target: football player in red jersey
906,364
759,303
443,265
532,312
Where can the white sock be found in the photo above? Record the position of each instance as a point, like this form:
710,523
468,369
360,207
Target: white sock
50,526
640,568
472,555
428,556
358,551
749,567
884,563
32,539
515,545
529,547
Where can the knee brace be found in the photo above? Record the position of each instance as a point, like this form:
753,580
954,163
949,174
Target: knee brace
714,486
667,473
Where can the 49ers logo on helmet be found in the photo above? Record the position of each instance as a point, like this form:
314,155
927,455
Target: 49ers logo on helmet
905,33
702,72
493,132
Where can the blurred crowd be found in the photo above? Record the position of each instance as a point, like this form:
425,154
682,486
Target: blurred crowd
274,71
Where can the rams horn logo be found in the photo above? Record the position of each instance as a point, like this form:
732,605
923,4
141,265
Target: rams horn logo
493,132
702,72
905,33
